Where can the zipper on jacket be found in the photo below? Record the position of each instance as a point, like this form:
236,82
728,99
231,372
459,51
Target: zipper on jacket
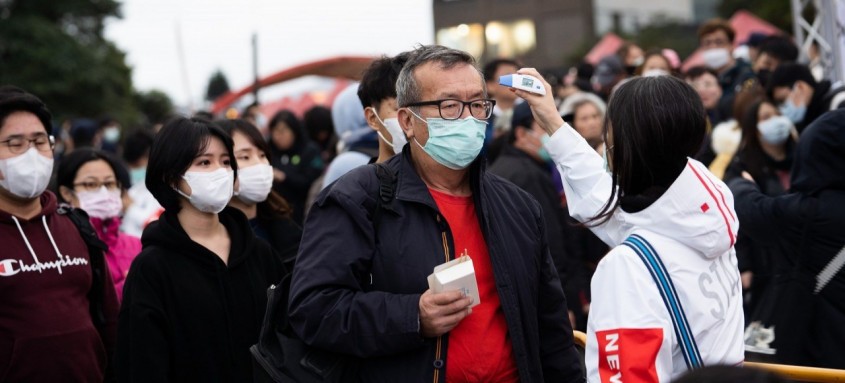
439,352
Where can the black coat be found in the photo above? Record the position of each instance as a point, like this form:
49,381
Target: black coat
806,228
302,164
187,316
518,167
357,291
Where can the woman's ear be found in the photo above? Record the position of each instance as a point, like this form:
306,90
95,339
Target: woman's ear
67,195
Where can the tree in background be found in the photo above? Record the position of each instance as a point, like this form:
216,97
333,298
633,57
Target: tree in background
217,86
155,106
57,50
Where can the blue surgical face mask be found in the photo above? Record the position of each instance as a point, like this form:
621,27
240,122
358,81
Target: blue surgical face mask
543,153
453,143
775,130
605,160
794,112
138,175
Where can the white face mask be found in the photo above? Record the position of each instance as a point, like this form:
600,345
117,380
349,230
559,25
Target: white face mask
716,58
396,133
254,183
210,191
655,73
26,175
101,203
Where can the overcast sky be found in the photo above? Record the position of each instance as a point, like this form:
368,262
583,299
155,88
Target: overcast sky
217,34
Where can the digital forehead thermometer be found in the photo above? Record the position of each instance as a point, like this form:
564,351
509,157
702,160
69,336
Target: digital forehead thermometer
524,82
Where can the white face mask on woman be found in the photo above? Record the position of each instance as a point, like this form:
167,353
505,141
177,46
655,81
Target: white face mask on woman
254,183
210,191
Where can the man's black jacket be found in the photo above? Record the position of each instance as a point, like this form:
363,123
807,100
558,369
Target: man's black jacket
357,291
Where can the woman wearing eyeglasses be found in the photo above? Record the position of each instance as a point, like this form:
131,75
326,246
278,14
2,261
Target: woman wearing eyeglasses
88,179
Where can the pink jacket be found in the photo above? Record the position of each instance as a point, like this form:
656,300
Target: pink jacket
122,250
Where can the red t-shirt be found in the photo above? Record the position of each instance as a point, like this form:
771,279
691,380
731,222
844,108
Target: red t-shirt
479,347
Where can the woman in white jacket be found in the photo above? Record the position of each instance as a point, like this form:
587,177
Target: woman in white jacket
667,297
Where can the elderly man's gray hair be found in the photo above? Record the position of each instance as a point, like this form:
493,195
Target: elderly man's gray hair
407,89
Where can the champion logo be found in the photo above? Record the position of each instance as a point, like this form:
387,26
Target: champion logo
705,207
10,267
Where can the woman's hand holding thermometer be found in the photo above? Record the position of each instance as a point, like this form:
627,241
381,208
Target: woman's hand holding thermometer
542,103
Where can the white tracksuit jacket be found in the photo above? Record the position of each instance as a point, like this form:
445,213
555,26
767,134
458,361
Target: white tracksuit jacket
693,227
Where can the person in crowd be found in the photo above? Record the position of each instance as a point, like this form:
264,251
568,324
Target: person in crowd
815,64
194,300
358,141
705,81
110,132
51,329
766,152
377,93
318,122
755,39
252,114
774,50
505,100
577,80
360,285
800,97
672,228
144,208
87,179
632,56
655,64
608,73
806,225
716,38
585,113
525,162
268,213
85,133
295,159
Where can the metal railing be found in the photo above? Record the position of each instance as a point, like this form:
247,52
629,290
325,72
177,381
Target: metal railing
796,373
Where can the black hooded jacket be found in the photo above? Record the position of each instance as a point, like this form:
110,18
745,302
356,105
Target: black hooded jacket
186,315
805,227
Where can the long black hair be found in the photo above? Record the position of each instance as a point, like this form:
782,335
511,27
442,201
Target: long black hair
275,206
300,138
652,125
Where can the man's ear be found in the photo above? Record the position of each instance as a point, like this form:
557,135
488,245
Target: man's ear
372,120
406,118
66,193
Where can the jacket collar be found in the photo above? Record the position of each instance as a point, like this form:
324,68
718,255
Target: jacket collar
410,187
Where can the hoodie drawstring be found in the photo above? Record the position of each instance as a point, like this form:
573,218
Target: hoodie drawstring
26,241
52,241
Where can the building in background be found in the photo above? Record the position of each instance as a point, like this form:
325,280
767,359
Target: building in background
628,16
540,33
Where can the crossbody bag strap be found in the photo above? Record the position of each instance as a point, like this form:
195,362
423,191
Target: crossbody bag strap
662,279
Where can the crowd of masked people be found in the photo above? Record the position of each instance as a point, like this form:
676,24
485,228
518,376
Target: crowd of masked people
147,255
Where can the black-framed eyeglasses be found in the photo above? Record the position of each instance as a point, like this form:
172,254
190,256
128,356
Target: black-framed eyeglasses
94,185
452,109
19,144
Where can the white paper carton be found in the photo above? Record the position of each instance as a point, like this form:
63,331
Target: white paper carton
457,274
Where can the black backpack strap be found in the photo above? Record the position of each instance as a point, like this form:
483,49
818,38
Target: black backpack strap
386,192
96,254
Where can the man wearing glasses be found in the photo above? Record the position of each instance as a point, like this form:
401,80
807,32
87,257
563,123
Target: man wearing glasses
47,333
359,286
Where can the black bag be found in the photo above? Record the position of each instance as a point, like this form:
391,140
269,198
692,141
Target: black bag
279,355
96,255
